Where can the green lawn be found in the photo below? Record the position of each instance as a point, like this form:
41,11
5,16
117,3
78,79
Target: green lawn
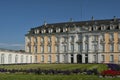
31,76
51,77
100,67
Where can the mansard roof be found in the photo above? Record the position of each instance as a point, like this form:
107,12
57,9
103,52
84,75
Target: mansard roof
82,23
78,24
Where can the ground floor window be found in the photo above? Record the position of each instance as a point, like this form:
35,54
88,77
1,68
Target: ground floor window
57,58
111,58
35,59
2,58
42,58
9,58
49,58
16,58
94,59
102,58
22,58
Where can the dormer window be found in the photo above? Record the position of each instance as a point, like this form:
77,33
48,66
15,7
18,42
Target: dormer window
44,31
64,29
58,29
51,30
111,26
37,31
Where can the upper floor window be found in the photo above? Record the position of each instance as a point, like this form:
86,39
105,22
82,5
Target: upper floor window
111,36
49,39
65,48
35,39
42,49
57,49
49,49
35,49
111,47
42,39
72,38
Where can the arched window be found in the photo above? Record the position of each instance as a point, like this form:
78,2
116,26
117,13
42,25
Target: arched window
10,58
57,58
102,58
111,58
26,59
16,58
30,59
42,58
2,58
35,59
49,58
21,58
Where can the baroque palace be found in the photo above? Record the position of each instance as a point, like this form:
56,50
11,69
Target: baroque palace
93,41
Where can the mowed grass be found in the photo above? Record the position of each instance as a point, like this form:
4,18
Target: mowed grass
100,67
52,77
24,76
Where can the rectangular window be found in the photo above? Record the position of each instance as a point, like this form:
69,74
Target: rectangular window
65,48
49,49
49,58
72,38
111,36
72,48
57,58
57,49
111,47
63,58
35,49
79,48
102,58
86,47
42,49
29,49
94,59
111,58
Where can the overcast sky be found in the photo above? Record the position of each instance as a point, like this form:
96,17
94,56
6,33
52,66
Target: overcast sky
18,16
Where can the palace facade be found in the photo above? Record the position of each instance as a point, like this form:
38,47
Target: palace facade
93,41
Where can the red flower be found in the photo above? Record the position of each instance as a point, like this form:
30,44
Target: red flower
110,73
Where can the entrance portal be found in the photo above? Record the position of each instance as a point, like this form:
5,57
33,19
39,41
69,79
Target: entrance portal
79,58
72,59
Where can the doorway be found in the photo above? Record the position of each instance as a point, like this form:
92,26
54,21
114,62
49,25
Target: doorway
79,58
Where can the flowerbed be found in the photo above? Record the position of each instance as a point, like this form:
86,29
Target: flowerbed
114,70
51,71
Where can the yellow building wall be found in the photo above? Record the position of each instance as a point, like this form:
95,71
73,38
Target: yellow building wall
116,47
53,49
32,44
45,49
115,42
38,44
106,42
